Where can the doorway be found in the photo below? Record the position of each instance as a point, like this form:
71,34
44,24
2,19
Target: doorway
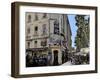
55,62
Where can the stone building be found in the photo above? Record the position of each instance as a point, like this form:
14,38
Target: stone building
48,33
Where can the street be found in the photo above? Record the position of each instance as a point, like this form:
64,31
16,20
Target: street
78,58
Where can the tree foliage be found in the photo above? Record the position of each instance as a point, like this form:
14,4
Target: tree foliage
82,37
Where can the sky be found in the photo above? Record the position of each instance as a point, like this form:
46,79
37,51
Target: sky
72,22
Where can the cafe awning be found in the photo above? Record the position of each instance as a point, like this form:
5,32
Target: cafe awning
36,49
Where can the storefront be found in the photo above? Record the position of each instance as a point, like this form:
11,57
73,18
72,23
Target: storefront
37,51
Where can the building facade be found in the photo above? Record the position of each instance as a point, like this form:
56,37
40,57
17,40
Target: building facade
48,34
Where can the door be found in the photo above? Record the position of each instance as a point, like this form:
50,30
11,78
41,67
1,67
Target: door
55,62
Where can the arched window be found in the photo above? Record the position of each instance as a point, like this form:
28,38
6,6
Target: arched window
29,18
36,16
36,30
28,44
35,44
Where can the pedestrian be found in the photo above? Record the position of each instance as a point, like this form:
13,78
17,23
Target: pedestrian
35,63
27,60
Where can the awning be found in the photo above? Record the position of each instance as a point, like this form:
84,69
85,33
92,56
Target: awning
80,53
36,49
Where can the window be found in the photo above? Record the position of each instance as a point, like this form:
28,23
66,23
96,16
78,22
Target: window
44,42
28,44
29,18
28,31
36,30
35,43
56,27
36,17
44,29
44,15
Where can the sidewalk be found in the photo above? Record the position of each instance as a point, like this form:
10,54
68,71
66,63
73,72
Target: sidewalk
67,63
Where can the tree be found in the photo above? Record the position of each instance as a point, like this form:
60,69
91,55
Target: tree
82,37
